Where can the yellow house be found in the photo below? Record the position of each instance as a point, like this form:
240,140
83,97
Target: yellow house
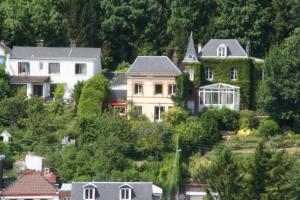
150,85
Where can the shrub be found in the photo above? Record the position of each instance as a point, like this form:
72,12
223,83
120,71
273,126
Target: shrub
248,119
245,132
268,127
175,116
228,119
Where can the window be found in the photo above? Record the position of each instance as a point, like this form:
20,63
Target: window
121,110
54,68
24,67
125,194
89,193
80,68
138,88
138,110
41,65
191,73
2,60
209,74
222,51
158,89
158,110
171,89
233,74
67,198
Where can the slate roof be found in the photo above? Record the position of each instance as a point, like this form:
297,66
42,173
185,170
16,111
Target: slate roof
30,185
154,65
234,49
110,190
190,55
29,79
117,78
63,53
2,45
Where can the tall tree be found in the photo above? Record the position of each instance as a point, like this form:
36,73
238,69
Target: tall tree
279,94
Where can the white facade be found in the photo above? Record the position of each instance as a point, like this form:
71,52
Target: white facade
67,75
34,162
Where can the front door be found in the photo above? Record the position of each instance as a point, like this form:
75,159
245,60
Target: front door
38,90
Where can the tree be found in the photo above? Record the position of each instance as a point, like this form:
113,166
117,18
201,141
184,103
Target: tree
12,110
175,116
279,94
183,85
224,176
5,90
94,92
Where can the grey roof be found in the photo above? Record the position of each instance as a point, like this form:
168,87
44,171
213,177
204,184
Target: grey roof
117,78
55,53
110,190
6,48
154,64
190,55
234,49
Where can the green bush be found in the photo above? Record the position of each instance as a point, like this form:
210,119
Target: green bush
228,120
248,119
269,127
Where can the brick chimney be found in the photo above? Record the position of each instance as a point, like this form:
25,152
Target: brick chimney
40,43
73,43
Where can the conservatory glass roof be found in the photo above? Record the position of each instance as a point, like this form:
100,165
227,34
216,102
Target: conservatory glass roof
219,86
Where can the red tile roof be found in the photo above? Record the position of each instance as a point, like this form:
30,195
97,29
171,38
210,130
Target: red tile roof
30,185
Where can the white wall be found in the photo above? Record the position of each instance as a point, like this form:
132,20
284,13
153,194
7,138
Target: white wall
34,162
49,197
67,71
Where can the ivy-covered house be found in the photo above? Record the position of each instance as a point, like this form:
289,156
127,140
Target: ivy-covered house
229,74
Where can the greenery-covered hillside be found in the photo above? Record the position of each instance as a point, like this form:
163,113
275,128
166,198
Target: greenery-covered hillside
125,29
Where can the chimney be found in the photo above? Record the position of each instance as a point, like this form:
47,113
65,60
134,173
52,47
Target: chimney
73,43
199,48
2,158
175,56
40,43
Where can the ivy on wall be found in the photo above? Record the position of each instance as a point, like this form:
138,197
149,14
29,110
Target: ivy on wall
248,76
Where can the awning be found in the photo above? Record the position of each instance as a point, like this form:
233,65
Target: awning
29,79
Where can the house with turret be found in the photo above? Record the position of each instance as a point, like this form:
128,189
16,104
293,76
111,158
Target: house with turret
223,74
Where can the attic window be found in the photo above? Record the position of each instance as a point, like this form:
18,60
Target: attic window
89,193
125,194
222,50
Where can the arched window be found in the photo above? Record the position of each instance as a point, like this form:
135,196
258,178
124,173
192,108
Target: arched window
222,50
233,74
209,74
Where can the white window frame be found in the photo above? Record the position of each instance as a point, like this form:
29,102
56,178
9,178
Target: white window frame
51,68
161,109
171,89
88,197
138,110
209,74
41,65
222,50
139,87
26,68
82,68
190,71
126,191
233,74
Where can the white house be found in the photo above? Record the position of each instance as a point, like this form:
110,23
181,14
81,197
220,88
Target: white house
35,163
39,69
6,136
4,54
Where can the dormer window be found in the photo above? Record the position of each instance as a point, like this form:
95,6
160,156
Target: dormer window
222,51
89,193
125,194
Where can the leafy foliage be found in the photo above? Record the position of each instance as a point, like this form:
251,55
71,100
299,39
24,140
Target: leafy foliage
94,92
268,127
183,84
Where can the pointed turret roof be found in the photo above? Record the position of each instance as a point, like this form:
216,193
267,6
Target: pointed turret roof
190,55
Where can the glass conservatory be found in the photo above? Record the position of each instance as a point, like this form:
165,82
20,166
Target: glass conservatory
219,95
